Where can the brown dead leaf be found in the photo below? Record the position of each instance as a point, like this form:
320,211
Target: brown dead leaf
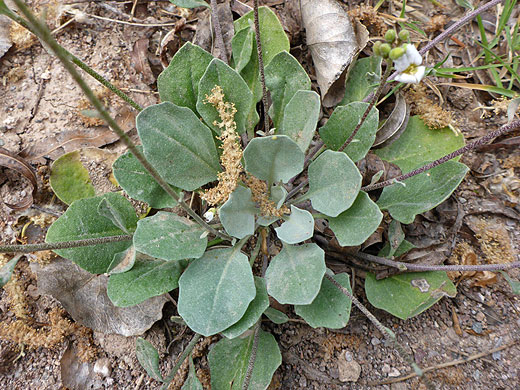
139,57
456,322
75,373
203,36
332,40
11,161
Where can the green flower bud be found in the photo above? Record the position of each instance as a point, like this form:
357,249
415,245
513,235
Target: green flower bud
396,52
404,35
390,35
376,48
385,49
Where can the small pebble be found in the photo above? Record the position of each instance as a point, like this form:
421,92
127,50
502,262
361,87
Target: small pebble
462,200
480,316
45,75
476,375
103,367
386,368
477,327
394,373
20,106
375,341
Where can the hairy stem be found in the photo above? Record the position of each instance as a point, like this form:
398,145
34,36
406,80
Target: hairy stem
219,39
45,35
420,267
252,358
28,248
180,360
4,10
373,101
261,66
472,145
384,330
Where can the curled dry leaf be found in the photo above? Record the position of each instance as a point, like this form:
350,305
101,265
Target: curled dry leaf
85,298
332,39
11,161
395,124
139,56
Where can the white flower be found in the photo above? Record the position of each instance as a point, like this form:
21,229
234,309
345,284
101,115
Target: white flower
409,66
210,214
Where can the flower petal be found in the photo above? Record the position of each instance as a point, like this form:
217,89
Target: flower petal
413,55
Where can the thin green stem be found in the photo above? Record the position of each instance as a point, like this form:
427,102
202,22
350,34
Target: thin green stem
6,11
45,35
261,66
28,248
371,105
384,330
180,360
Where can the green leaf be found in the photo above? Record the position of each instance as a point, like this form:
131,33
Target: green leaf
123,261
300,118
298,227
515,284
149,358
139,184
179,82
276,316
362,79
284,76
274,158
170,237
294,275
242,46
422,192
192,382
190,3
343,122
109,209
147,279
69,179
235,91
7,270
228,361
272,35
404,247
419,145
81,221
334,183
178,145
215,291
238,213
354,226
407,295
253,312
331,308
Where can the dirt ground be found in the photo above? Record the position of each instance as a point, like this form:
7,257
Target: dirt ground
39,106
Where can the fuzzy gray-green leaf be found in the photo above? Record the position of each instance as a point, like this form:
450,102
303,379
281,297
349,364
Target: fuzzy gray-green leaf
362,79
170,237
301,117
331,308
178,145
81,221
7,270
238,213
353,226
147,279
215,290
179,82
148,357
274,158
298,227
343,122
294,275
334,183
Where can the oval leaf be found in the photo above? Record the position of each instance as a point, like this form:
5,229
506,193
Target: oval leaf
139,184
423,192
82,221
407,295
294,275
238,213
354,226
298,227
235,91
301,117
362,79
228,361
170,237
334,183
331,308
192,382
147,279
274,158
284,76
179,82
253,312
276,316
242,46
7,269
190,3
215,291
178,145
149,358
342,123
